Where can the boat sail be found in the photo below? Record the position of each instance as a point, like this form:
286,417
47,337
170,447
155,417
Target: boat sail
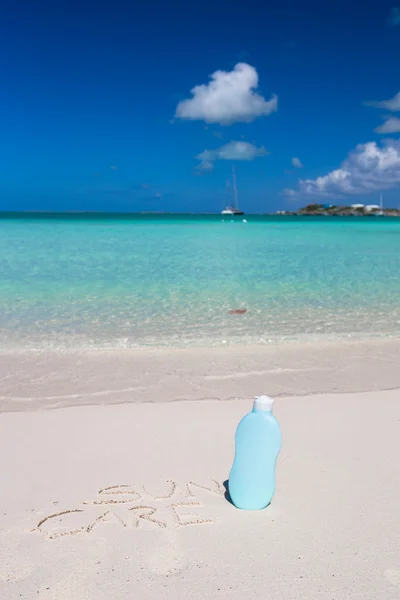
380,213
233,209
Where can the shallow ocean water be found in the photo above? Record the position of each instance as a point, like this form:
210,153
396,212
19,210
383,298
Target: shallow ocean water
105,281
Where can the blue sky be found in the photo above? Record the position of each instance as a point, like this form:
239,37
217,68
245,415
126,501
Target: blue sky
97,113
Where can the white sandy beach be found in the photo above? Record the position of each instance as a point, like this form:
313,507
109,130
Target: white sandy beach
124,497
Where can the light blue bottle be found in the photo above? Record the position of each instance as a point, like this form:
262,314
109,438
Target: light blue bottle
258,441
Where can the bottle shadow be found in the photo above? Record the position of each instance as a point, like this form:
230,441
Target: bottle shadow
228,498
227,495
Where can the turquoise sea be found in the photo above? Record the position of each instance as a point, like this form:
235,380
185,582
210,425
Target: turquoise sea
112,281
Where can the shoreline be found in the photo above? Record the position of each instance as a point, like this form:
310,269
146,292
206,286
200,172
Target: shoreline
195,343
34,380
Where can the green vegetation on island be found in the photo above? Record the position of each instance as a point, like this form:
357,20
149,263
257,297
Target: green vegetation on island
354,210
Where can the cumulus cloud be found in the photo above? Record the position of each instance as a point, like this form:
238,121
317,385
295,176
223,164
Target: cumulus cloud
296,162
392,104
205,165
234,151
394,17
231,151
368,168
230,97
391,125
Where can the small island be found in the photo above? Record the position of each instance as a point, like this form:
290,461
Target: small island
332,210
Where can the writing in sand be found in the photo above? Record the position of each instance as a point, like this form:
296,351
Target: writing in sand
132,506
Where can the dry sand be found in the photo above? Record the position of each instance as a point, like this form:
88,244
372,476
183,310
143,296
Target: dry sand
124,499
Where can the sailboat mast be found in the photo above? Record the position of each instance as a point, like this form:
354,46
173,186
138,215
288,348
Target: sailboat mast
381,201
235,194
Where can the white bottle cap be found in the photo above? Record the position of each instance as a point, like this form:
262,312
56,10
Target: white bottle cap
263,403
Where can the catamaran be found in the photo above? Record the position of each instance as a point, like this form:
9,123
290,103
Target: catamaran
233,209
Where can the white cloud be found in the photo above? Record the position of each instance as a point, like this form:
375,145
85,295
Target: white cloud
394,17
205,165
231,151
392,104
391,125
234,151
368,168
296,162
230,97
